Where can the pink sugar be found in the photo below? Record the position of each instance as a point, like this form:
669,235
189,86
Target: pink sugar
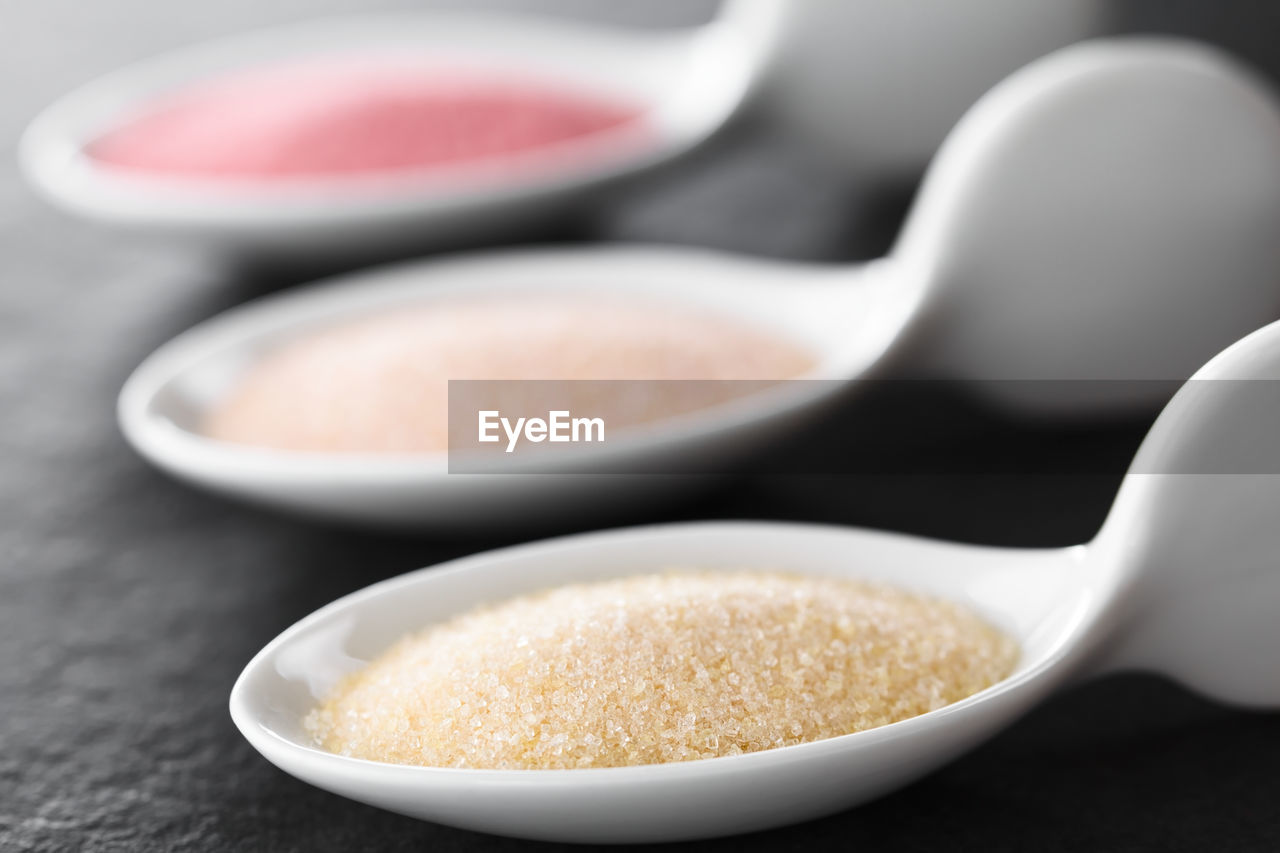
381,384
350,117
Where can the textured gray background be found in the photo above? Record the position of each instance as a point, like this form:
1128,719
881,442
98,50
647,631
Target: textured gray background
128,604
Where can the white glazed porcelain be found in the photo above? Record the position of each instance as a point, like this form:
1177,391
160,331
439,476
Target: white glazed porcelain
1107,213
875,85
1182,579
878,81
688,84
162,404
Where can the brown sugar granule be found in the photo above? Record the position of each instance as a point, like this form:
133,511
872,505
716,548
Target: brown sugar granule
660,668
381,384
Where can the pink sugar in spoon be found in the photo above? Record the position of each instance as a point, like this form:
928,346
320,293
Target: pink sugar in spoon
679,88
1109,212
1182,580
684,85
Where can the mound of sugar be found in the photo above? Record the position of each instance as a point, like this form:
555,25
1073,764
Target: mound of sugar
661,668
317,119
381,384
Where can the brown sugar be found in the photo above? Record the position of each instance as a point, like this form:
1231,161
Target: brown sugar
661,668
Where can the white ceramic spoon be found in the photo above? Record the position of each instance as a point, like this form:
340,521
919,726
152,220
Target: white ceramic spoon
875,85
1108,213
887,76
1182,579
686,83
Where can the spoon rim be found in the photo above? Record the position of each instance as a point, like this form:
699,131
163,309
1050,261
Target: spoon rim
53,147
1027,677
248,330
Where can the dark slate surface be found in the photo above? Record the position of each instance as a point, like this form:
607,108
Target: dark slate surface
128,604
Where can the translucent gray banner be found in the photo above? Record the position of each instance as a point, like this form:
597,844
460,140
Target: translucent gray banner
816,427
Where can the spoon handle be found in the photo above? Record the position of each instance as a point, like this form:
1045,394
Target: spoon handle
1108,212
873,86
1195,533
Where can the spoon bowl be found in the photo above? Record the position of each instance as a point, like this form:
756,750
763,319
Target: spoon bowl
671,801
163,404
1065,232
1140,595
685,85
